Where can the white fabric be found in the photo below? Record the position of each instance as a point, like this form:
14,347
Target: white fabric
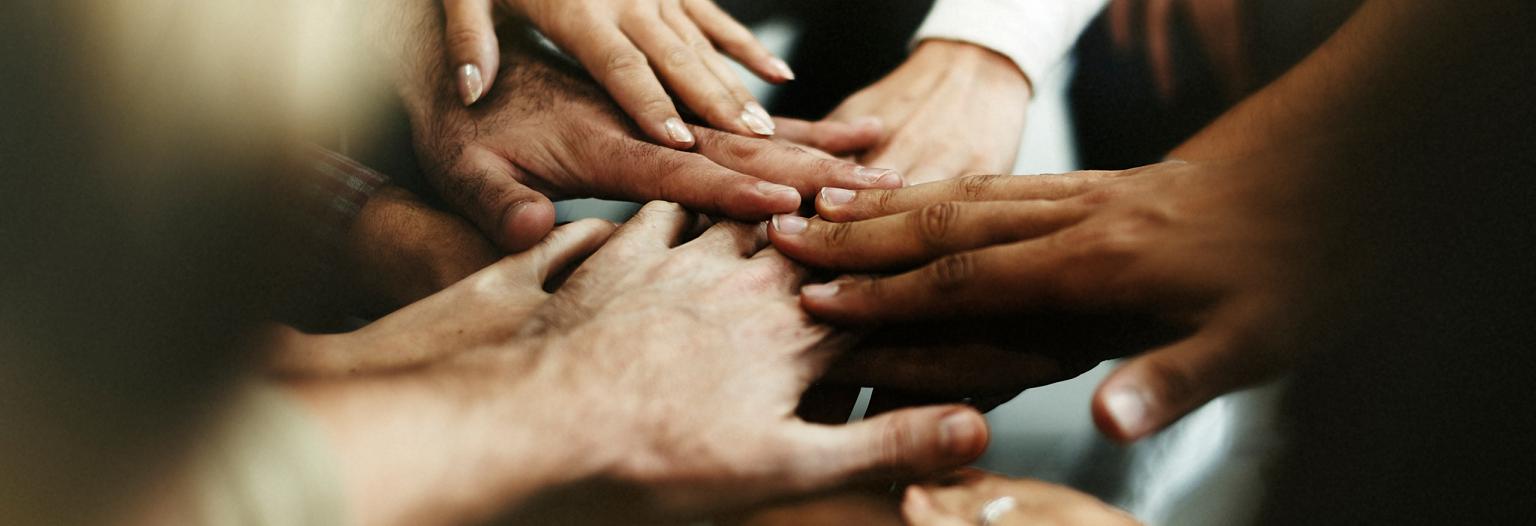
1036,34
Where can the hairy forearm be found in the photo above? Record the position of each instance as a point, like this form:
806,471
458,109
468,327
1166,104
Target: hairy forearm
457,444
1376,74
407,36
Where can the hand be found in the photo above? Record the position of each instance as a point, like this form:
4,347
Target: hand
486,308
620,42
1211,251
660,381
399,251
952,109
551,134
958,500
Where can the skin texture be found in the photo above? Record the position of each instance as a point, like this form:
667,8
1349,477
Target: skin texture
1201,261
676,364
552,134
487,307
952,109
399,250
637,50
957,500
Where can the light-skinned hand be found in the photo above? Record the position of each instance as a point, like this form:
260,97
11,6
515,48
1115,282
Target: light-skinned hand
638,50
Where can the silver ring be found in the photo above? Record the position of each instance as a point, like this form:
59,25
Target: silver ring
995,509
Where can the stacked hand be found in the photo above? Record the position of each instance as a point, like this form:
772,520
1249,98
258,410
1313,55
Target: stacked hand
660,379
952,109
634,49
551,134
1205,256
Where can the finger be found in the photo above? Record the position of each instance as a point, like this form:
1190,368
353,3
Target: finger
563,248
733,237
626,73
905,240
1001,279
789,165
472,49
918,509
1160,47
944,166
685,72
676,18
834,137
841,204
737,41
485,189
1119,15
1152,391
900,444
658,225
649,172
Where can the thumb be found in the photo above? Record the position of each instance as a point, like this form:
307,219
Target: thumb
488,193
1152,391
905,443
470,36
564,248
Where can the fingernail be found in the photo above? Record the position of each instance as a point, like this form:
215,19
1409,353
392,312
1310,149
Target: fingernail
471,84
1128,408
868,122
678,131
836,196
823,290
878,176
757,124
782,68
958,434
789,224
768,188
760,111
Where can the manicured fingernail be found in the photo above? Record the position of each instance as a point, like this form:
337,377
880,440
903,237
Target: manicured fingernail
1128,407
789,225
879,177
471,84
782,68
836,196
678,131
958,434
823,290
760,111
757,124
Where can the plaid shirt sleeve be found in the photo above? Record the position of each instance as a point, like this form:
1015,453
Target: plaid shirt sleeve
319,199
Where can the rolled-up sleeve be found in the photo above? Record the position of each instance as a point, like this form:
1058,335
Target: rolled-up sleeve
1036,34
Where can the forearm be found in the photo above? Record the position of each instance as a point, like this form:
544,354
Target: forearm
1388,63
435,447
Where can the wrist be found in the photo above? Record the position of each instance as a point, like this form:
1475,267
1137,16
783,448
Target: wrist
954,58
458,443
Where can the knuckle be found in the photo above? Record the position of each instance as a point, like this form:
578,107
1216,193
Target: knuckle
1175,383
897,441
885,200
464,40
678,57
837,234
624,62
978,187
934,222
951,272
